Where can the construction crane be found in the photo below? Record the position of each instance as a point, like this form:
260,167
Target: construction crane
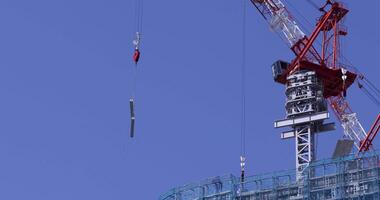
314,78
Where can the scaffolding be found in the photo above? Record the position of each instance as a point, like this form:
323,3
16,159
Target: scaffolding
353,177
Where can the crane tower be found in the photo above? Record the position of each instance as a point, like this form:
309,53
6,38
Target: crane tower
314,78
306,109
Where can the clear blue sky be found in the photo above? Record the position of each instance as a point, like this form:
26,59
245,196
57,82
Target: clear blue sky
65,81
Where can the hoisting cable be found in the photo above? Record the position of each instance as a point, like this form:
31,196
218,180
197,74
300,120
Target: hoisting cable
372,86
369,94
312,3
369,89
243,115
365,84
136,58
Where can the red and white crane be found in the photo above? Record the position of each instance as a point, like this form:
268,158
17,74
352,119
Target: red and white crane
323,60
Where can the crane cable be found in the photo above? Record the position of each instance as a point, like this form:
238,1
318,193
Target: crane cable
369,89
136,58
243,98
312,3
370,96
365,85
372,86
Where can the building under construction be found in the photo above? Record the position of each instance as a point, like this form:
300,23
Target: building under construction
315,80
342,178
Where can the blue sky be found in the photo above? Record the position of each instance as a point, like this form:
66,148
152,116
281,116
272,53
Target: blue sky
65,80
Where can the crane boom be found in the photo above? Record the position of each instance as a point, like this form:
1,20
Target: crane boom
279,18
367,143
324,63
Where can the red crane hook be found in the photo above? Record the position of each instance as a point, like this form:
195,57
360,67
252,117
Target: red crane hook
136,56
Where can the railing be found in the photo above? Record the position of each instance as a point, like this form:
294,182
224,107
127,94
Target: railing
345,177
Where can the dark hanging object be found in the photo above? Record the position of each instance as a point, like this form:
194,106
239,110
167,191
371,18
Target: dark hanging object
242,176
132,110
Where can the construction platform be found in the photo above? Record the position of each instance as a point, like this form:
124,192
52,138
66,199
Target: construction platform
353,177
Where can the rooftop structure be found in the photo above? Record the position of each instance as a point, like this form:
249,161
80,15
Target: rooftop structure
350,177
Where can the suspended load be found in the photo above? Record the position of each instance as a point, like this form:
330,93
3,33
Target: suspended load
132,109
136,58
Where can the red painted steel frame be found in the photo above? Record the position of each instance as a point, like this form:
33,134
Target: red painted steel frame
367,143
330,77
327,22
328,69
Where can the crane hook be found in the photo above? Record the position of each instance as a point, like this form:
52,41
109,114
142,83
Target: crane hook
344,78
136,43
